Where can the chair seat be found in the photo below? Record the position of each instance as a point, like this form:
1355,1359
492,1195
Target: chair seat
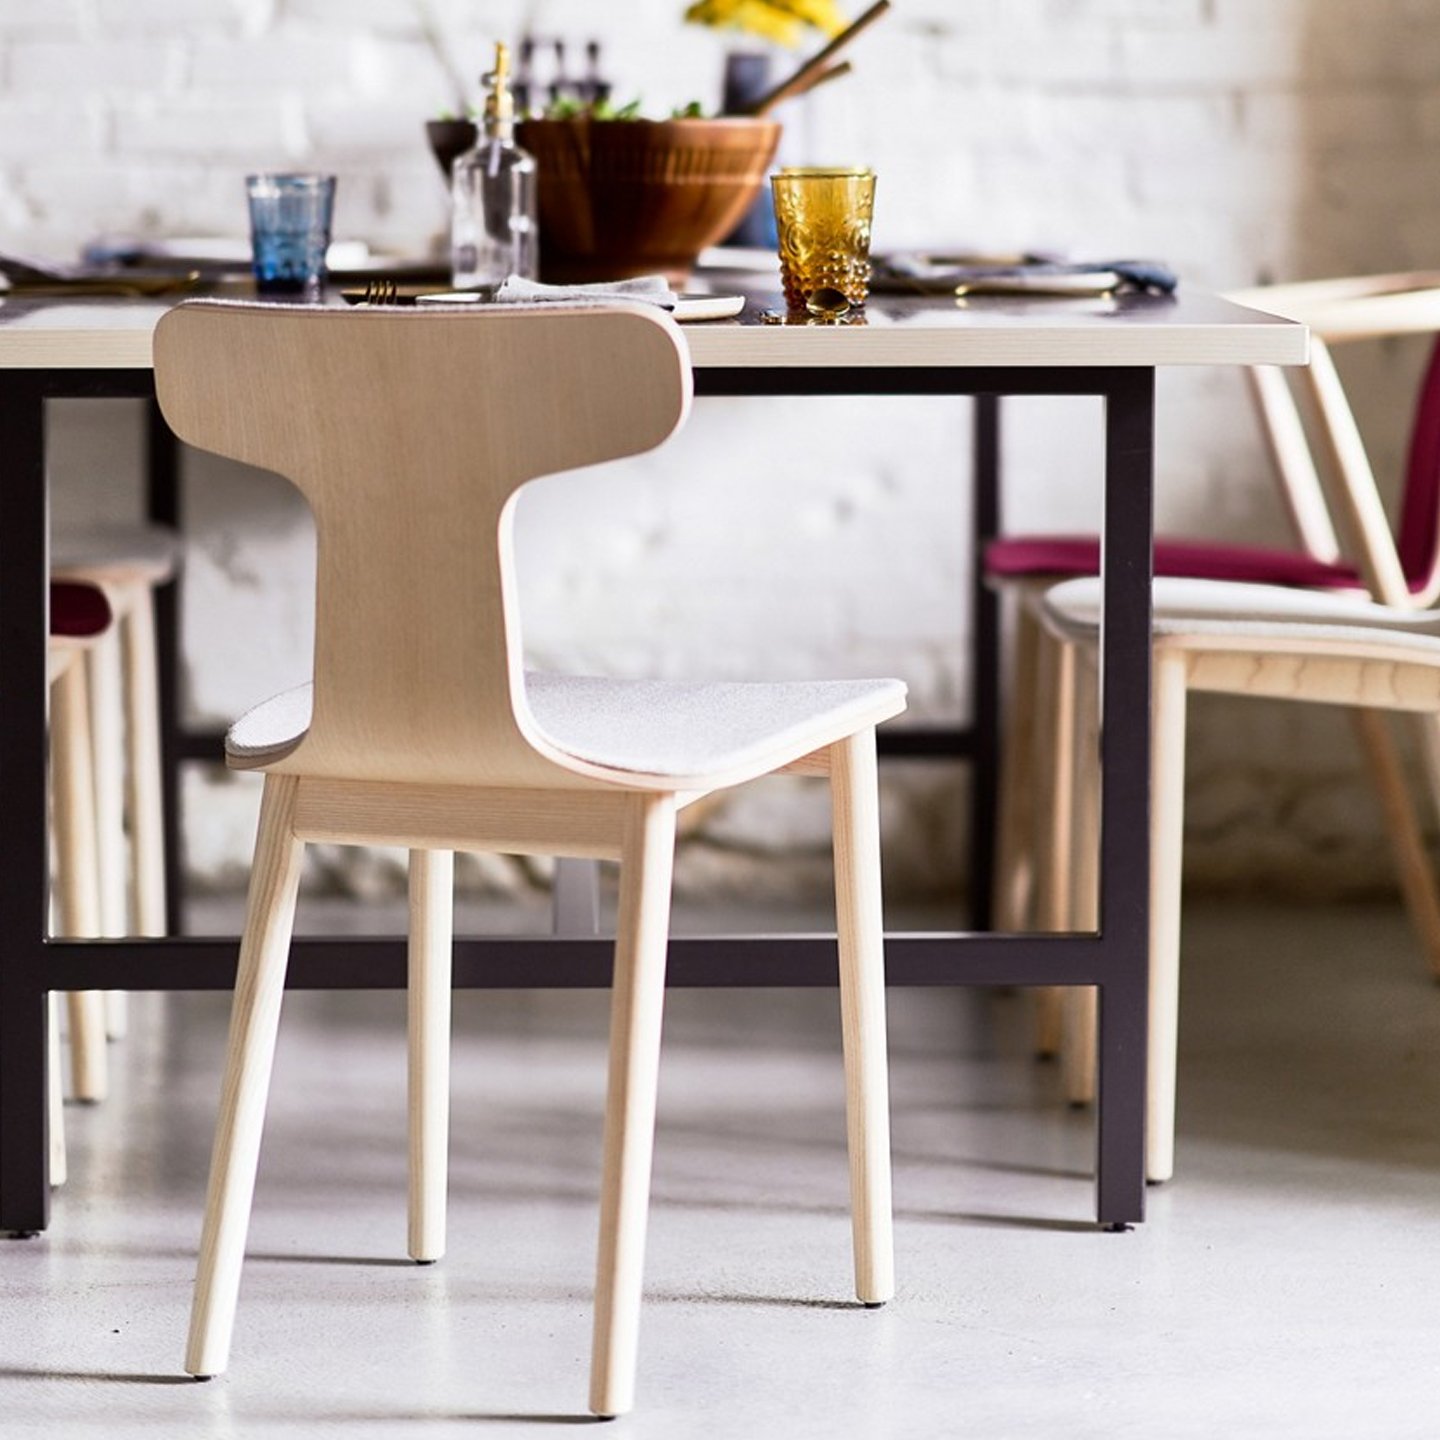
652,727
139,552
1058,556
1214,609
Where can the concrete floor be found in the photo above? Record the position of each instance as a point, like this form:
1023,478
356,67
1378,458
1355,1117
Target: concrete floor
1284,1285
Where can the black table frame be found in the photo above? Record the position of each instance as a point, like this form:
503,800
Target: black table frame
1115,958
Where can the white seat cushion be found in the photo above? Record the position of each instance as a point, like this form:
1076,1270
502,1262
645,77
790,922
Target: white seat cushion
1205,609
654,727
147,552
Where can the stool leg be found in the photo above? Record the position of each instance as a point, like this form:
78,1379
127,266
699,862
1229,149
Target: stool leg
1055,751
254,1020
1015,843
637,1004
107,732
142,731
432,875
72,783
860,925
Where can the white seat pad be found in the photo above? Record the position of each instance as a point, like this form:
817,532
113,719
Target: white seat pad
1219,608
655,727
149,552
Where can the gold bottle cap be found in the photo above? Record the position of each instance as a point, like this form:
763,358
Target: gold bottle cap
499,101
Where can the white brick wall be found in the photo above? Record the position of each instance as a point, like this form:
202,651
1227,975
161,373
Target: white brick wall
1238,139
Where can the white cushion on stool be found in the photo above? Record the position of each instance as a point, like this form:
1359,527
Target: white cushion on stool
141,552
654,727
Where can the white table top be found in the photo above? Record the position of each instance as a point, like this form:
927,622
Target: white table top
1143,330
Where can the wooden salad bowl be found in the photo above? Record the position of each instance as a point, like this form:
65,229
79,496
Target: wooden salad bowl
619,198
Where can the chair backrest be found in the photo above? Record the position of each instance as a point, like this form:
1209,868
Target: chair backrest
1400,567
1418,540
410,432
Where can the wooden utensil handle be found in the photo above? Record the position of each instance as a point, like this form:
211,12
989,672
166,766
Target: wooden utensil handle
805,76
803,84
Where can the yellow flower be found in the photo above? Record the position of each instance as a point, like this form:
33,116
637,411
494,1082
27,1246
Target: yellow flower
783,21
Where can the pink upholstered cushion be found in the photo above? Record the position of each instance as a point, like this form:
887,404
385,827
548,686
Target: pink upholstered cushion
77,611
1061,556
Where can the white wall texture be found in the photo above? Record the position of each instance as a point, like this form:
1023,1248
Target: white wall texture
1237,139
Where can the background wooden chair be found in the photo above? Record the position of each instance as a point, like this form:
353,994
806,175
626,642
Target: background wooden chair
410,434
1234,639
1324,471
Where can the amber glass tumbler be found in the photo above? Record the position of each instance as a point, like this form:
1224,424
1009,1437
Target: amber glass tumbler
823,216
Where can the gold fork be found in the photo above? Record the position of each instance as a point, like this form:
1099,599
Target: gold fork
381,292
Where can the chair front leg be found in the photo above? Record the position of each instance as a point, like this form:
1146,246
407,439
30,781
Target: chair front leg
860,926
637,1004
254,1020
432,876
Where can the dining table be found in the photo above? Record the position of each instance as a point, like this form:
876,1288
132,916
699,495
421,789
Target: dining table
978,349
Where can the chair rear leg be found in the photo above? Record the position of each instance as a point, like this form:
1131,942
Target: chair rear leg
259,989
860,924
1407,841
432,877
636,1007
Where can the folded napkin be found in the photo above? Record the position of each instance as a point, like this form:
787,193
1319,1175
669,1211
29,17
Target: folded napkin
934,274
31,269
30,275
651,289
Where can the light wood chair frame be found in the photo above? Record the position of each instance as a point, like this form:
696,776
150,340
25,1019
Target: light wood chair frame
421,429
1335,478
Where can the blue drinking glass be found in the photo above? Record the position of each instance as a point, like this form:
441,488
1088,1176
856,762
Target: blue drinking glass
290,231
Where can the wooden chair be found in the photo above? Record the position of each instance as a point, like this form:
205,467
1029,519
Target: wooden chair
410,434
1323,471
1236,639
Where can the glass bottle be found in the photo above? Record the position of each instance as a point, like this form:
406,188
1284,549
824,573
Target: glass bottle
493,229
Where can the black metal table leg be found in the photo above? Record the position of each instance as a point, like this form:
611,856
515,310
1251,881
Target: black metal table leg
162,506
984,665
24,881
1125,795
